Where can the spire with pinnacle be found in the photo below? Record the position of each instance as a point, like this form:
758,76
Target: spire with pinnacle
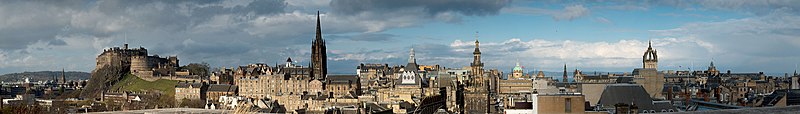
411,58
319,58
477,65
650,57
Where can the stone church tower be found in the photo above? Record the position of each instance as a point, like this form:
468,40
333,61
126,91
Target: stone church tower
319,61
476,65
650,57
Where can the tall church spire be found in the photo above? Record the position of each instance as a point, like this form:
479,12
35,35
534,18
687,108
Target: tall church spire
63,77
565,73
319,28
319,58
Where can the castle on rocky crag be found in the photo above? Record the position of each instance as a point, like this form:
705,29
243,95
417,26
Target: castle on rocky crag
138,62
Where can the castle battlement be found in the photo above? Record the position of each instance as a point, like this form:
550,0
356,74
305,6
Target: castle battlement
138,61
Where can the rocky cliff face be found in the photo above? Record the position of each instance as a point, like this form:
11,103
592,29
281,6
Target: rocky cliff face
102,79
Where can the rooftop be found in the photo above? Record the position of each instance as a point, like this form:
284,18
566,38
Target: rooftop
168,111
760,110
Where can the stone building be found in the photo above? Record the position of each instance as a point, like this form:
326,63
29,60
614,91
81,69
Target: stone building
563,103
374,76
553,103
252,79
343,86
648,76
652,80
480,86
223,76
216,90
409,81
190,90
261,81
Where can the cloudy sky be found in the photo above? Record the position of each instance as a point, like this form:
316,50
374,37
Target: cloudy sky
603,35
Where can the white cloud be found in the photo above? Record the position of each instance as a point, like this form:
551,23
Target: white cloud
769,41
569,12
603,20
622,55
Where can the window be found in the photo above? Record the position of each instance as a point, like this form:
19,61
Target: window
568,105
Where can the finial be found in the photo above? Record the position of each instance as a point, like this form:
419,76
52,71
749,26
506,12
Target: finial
411,58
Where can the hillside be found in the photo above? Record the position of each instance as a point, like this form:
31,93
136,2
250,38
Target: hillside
160,92
133,83
44,76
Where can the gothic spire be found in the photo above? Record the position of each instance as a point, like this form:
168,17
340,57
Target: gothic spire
319,62
63,76
319,29
565,73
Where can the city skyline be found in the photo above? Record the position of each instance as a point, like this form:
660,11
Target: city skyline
746,36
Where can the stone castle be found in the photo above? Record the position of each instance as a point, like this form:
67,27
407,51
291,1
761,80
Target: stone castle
138,61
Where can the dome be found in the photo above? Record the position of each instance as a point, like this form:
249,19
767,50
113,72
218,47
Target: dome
517,68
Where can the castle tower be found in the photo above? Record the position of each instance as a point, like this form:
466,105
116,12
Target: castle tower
319,61
650,57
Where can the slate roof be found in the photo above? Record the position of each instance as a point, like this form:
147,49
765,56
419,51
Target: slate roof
187,84
222,88
792,99
342,78
629,93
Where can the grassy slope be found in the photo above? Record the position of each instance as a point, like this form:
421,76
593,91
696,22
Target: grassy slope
133,83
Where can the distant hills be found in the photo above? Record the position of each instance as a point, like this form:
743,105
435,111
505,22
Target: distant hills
44,76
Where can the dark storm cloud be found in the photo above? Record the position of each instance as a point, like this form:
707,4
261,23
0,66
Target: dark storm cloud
28,22
430,7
